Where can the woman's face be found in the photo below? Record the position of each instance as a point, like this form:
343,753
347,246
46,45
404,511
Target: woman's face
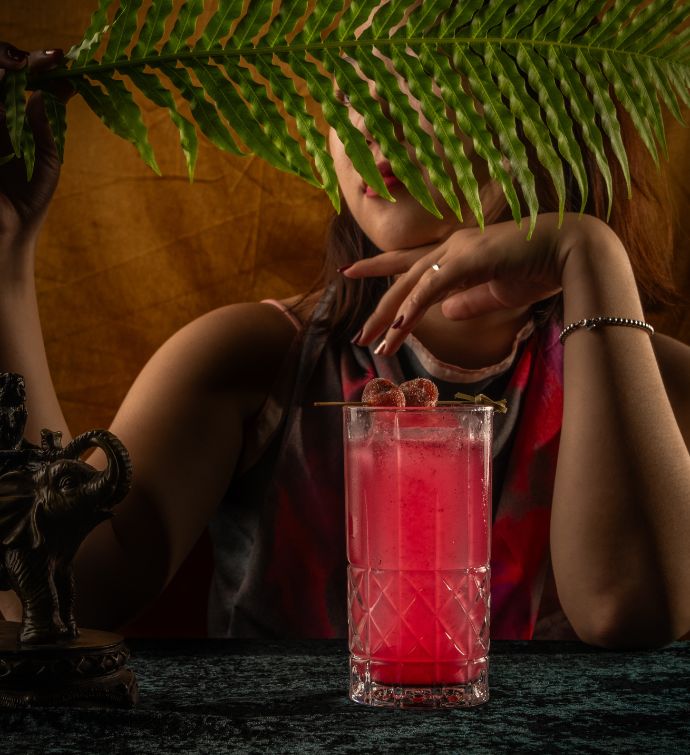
405,223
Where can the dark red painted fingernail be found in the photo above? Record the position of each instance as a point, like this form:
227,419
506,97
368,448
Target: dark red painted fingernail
398,322
357,337
57,51
343,268
15,54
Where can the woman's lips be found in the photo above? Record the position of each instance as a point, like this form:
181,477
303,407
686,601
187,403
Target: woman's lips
388,177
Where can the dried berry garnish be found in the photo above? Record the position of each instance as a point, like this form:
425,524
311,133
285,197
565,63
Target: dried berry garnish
382,392
419,392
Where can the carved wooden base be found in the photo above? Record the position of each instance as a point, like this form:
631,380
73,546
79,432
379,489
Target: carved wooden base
88,671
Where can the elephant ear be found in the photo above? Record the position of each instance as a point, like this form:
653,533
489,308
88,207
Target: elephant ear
18,526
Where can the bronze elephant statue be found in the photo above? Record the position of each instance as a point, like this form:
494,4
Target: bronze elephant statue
48,504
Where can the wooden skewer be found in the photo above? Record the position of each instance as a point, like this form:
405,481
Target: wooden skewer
338,403
361,403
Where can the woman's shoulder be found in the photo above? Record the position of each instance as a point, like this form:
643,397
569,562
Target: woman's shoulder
238,348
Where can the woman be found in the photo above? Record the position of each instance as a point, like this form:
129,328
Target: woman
593,513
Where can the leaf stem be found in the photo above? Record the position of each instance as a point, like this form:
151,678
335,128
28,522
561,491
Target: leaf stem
226,52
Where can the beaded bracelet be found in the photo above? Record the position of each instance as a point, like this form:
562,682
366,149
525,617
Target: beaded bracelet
594,322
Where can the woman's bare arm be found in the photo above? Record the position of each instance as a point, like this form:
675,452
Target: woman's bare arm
182,422
620,523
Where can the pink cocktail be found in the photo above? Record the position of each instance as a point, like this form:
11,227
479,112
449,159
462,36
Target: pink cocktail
418,495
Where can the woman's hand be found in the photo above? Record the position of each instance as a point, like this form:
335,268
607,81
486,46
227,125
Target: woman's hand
478,272
23,203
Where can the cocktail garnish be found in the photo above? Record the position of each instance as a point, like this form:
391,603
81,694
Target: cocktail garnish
419,392
382,392
501,406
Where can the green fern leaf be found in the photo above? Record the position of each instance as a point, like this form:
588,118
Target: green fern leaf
81,53
236,113
471,123
56,113
490,17
527,112
249,26
355,15
220,23
185,25
291,11
664,25
642,24
337,117
583,112
536,71
319,18
306,126
578,21
435,112
503,124
401,112
271,124
203,111
663,85
633,101
122,29
675,77
524,15
606,110
388,16
614,18
14,87
424,17
459,17
113,104
559,122
675,45
153,28
151,86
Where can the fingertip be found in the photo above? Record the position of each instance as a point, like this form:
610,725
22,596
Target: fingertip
41,61
12,57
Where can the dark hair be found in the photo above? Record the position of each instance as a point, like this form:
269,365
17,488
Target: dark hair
643,223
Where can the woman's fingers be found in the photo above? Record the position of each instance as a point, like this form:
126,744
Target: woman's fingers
387,263
452,275
476,301
11,58
385,315
41,61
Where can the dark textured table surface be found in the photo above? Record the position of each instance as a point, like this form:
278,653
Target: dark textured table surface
218,696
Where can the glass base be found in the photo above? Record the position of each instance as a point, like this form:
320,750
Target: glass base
367,691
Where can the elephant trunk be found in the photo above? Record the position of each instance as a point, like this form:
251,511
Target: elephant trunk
112,484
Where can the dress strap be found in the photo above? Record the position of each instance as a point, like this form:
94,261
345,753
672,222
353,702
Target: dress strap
287,312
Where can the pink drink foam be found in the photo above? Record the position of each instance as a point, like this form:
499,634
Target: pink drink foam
418,542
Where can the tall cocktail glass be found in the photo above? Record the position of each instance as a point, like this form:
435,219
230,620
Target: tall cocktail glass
418,500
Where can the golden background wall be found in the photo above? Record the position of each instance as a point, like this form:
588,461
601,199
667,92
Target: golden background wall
126,258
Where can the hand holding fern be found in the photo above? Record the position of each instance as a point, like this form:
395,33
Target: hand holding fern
24,199
479,272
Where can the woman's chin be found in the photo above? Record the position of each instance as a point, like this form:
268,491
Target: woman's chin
399,232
